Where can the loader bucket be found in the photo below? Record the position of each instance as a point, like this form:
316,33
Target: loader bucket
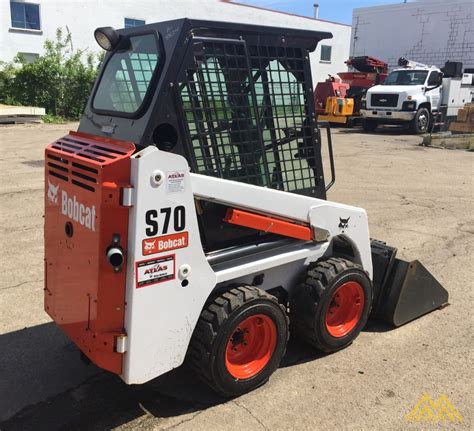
403,291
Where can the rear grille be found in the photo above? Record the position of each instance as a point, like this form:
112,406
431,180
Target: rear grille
57,166
79,174
384,100
78,158
88,149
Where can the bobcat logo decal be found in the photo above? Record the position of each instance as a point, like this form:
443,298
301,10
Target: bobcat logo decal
52,192
149,245
343,223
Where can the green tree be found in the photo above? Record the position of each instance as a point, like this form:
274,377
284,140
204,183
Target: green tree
59,80
7,76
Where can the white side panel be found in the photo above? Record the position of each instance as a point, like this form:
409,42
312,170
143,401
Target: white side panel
161,311
160,317
349,222
261,199
337,219
309,252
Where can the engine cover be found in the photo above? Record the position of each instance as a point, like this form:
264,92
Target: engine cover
84,219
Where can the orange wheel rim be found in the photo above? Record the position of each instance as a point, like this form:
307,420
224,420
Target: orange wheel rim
345,309
251,346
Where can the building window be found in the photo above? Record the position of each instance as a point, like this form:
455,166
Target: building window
130,22
25,15
28,57
326,52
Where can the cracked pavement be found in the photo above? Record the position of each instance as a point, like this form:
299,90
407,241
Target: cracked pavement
418,199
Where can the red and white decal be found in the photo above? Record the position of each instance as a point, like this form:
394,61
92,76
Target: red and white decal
53,192
71,207
154,271
165,243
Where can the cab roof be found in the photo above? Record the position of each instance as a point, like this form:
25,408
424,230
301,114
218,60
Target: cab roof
267,35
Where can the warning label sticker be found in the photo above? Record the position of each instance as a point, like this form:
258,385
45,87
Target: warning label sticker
175,181
164,243
155,271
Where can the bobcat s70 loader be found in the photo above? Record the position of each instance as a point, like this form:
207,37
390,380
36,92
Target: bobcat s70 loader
187,217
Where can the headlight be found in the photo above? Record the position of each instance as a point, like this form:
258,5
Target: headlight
106,37
409,106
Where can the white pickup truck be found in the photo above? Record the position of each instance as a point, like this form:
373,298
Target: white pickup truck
413,94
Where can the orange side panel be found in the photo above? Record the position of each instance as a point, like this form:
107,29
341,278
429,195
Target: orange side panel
84,177
268,224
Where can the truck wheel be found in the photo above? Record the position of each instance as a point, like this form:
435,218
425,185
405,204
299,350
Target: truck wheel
331,306
369,125
421,122
239,340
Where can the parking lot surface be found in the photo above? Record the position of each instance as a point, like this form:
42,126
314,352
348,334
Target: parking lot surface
418,199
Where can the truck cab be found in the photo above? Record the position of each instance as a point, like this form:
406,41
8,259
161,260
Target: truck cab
410,95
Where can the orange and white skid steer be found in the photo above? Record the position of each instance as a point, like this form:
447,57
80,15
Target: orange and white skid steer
187,217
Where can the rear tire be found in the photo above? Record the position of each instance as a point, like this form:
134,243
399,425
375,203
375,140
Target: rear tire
369,125
421,122
239,340
331,306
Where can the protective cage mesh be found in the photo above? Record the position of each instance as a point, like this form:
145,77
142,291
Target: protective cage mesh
247,114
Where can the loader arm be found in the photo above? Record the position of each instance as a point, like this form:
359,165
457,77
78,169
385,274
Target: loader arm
323,217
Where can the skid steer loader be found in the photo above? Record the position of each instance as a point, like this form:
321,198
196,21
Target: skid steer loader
187,217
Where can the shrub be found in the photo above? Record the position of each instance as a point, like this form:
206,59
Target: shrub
7,76
59,80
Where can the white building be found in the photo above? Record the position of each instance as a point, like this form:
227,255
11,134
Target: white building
25,25
427,31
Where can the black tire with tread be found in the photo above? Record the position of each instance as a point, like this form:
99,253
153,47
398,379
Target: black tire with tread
369,125
206,353
415,125
310,301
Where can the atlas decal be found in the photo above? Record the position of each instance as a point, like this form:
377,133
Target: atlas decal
155,270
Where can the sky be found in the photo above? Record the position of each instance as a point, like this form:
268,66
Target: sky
331,10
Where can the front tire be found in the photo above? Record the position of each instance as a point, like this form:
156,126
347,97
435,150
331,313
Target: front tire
239,340
369,125
331,306
421,122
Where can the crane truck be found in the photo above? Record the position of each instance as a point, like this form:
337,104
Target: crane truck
338,100
417,95
187,218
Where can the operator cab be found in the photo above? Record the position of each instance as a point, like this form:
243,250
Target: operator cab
235,100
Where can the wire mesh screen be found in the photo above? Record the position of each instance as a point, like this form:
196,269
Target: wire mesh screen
247,115
132,81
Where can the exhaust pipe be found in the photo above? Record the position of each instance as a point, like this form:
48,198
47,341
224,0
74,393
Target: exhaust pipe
115,257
